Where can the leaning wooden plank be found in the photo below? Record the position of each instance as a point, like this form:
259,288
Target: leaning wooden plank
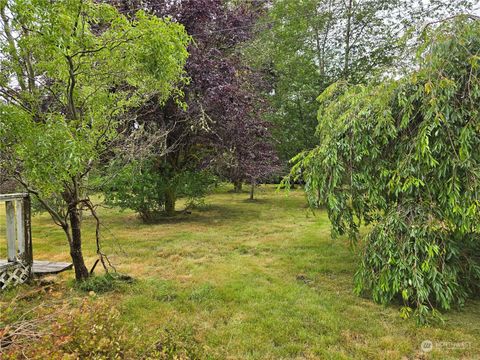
11,236
47,267
41,267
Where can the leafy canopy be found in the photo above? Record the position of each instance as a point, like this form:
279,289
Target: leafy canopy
220,130
71,71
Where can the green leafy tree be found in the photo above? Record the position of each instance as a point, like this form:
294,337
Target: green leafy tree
401,155
305,46
71,70
140,186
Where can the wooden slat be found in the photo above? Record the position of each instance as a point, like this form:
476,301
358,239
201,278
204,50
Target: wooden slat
11,197
27,226
11,236
20,228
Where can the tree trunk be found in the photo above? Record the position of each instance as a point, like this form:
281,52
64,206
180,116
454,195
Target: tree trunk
237,186
252,189
170,200
81,272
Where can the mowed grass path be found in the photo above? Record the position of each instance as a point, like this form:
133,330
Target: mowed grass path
255,280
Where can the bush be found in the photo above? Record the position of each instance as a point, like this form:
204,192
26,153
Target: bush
91,331
150,190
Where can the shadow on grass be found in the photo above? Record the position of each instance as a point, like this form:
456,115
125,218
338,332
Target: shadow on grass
256,201
210,214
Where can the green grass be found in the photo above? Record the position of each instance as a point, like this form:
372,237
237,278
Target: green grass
253,280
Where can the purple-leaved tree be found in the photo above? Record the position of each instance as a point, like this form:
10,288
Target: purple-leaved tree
221,127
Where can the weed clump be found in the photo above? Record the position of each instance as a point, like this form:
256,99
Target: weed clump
104,283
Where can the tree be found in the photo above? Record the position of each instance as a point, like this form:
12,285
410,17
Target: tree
140,186
70,72
400,155
305,46
221,100
248,154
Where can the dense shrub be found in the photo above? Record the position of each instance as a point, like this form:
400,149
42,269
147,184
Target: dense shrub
152,191
412,257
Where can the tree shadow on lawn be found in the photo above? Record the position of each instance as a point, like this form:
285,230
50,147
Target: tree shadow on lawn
256,201
207,214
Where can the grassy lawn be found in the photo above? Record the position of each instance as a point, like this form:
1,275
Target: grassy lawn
252,280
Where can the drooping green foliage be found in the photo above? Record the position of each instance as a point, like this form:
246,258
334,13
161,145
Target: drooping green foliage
401,155
71,70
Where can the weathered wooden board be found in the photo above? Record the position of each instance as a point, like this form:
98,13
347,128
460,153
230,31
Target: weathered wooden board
48,267
12,197
20,228
11,231
44,267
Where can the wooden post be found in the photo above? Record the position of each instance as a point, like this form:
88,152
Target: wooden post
10,220
27,221
20,228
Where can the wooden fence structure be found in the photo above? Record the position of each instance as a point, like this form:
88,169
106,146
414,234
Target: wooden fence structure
18,267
